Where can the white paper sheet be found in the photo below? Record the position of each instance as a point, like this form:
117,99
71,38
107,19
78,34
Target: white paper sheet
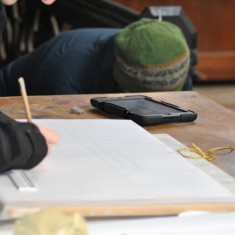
106,161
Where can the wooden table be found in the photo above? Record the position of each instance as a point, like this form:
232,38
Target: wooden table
214,127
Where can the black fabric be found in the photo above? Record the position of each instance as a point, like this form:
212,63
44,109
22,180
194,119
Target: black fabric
22,146
74,62
2,19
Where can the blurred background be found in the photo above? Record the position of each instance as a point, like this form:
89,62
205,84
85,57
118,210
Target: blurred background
207,25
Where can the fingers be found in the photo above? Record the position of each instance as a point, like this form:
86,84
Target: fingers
11,2
50,136
48,2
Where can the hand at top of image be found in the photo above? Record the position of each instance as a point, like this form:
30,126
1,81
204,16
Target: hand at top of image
11,2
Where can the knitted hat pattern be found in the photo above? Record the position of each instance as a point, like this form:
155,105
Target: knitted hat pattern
151,55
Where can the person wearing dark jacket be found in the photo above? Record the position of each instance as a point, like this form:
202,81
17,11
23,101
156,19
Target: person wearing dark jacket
22,145
146,56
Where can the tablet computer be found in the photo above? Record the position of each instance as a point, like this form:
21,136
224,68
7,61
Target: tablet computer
143,110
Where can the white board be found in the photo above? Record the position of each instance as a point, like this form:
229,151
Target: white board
107,162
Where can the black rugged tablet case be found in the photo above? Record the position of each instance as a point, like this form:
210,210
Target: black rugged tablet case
143,109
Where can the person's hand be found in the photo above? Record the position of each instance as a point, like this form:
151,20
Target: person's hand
50,136
48,2
11,2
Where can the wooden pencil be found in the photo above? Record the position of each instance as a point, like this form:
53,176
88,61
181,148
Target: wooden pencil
25,98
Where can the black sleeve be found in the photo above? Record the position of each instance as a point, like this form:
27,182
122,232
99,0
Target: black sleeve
22,146
2,19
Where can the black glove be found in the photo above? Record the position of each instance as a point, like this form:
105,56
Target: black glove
22,146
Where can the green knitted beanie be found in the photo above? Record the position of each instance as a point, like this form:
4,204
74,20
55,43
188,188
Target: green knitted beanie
151,55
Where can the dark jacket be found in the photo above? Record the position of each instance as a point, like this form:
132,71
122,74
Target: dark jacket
78,61
21,144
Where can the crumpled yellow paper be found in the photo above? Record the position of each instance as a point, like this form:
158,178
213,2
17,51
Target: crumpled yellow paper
51,222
